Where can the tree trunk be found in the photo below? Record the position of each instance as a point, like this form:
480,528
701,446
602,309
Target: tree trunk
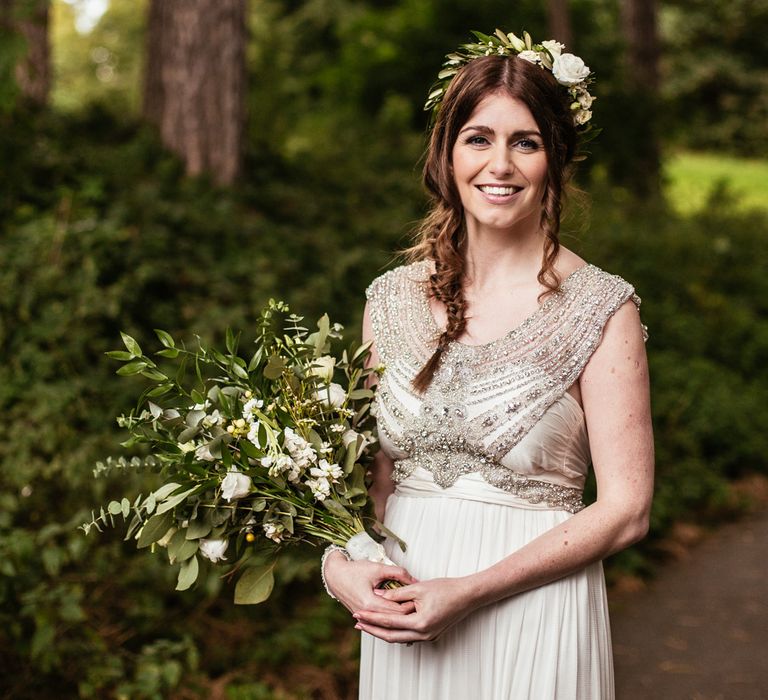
559,22
639,27
194,89
28,20
639,20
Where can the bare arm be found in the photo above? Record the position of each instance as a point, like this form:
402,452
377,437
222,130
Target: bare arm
615,396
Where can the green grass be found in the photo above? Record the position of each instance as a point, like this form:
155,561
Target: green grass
691,177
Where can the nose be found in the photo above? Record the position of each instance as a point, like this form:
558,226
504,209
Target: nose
501,161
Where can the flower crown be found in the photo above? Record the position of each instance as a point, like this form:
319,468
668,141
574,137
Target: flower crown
569,70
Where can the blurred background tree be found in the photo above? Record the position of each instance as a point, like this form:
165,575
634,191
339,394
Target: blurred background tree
187,159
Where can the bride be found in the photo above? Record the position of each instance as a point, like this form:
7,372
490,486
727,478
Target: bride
511,365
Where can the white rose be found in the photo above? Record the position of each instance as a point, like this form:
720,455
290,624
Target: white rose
554,47
235,485
213,549
530,56
204,453
582,116
332,395
322,367
569,69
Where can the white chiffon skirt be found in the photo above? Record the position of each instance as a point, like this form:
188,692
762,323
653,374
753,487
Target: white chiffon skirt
549,643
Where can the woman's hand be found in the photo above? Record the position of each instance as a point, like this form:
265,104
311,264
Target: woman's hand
354,584
436,605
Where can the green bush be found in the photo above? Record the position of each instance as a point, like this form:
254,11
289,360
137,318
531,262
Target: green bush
100,233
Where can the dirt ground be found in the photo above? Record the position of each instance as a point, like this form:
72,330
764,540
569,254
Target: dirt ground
699,631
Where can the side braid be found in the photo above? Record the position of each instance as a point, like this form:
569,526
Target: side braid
446,285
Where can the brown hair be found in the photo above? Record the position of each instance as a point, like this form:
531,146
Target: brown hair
442,235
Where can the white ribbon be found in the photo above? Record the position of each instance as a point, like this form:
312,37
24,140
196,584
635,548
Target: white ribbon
362,546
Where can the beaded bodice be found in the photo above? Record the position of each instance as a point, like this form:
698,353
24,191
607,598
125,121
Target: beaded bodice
501,409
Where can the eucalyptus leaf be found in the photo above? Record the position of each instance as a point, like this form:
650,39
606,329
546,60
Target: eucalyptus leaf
174,501
255,585
337,509
154,529
180,548
188,574
275,367
197,529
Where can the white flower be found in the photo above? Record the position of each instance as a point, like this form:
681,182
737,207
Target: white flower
322,367
235,485
320,488
569,69
249,407
204,453
332,395
585,100
554,47
201,406
302,452
582,116
213,549
253,433
187,446
214,418
274,531
530,56
325,470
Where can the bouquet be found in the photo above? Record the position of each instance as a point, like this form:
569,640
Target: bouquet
255,452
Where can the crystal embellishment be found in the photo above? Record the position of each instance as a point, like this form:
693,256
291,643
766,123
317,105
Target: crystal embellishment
484,399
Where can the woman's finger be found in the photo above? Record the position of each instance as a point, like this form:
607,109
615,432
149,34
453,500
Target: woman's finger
396,573
389,635
388,620
399,595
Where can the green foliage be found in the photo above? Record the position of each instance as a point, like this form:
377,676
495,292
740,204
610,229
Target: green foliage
716,68
704,304
101,233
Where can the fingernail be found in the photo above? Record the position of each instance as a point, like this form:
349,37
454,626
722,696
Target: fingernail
378,591
357,627
356,616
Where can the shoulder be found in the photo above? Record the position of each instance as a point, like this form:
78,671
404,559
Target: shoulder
606,295
392,283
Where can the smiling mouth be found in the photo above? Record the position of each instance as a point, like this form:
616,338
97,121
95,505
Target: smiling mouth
499,191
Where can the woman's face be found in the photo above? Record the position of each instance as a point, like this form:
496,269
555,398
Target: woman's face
500,166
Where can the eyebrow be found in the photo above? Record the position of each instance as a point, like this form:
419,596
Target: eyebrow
487,130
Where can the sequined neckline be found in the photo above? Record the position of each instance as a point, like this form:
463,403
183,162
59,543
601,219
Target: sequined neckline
423,298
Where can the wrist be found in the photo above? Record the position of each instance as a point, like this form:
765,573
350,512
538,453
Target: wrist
332,557
480,589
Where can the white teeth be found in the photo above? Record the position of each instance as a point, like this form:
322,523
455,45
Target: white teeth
489,189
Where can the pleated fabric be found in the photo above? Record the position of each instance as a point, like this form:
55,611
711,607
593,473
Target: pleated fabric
549,643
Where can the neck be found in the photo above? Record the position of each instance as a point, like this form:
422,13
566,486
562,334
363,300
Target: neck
502,257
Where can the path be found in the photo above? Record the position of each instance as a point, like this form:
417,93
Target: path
700,629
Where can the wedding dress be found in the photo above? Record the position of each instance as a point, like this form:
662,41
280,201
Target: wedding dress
492,455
